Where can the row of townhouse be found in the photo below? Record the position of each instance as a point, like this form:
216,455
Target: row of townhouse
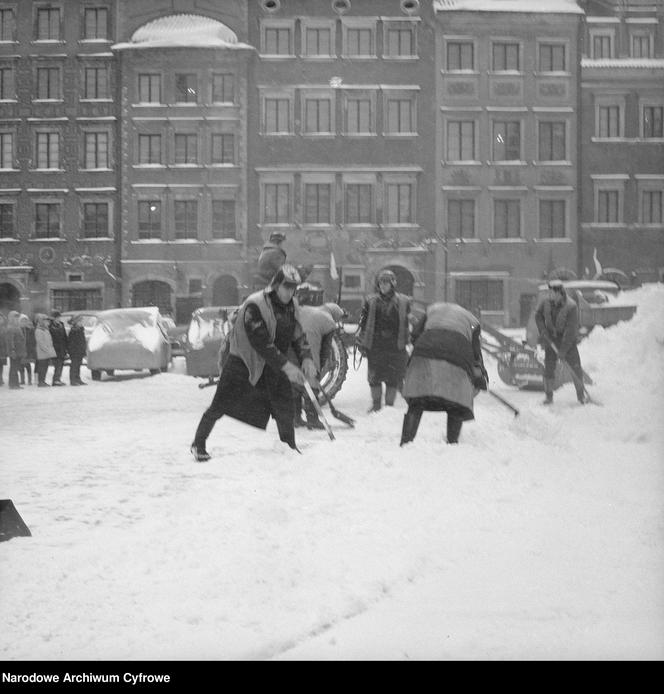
148,149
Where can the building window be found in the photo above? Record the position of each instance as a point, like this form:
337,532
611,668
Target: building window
359,42
400,203
96,151
552,145
149,89
223,148
7,221
506,140
76,299
400,115
95,220
186,219
651,207
47,150
48,83
461,219
359,116
479,294
149,219
460,55
95,23
653,120
223,88
7,24
641,45
359,203
224,225
48,24
95,83
505,57
186,149
609,124
277,41
507,219
6,150
7,85
47,220
276,206
608,206
552,215
318,42
552,57
460,140
185,88
399,41
149,149
317,203
602,45
277,116
317,116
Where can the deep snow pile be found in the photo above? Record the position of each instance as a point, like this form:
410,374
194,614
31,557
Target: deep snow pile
537,537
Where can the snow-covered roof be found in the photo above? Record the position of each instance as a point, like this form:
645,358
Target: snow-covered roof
623,62
548,7
183,30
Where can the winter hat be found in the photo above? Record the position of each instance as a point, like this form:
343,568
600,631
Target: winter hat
277,236
286,275
557,285
334,310
55,314
386,275
13,316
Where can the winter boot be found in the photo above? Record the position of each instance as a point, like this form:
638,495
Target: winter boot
411,422
581,396
548,390
376,396
454,425
199,453
390,395
297,420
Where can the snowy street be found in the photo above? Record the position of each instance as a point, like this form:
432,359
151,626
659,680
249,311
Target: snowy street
537,537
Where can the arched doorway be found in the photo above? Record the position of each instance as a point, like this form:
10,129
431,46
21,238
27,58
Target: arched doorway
10,298
153,293
225,291
405,280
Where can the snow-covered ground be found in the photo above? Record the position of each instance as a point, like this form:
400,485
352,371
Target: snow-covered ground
537,537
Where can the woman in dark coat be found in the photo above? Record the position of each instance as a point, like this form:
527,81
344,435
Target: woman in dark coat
255,382
59,337
77,346
445,370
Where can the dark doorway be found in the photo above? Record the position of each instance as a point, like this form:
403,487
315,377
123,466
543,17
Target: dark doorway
10,298
405,281
225,292
153,293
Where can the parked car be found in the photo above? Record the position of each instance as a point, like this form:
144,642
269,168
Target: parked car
127,339
208,325
175,334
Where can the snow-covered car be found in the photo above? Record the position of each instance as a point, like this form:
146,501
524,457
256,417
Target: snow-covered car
209,325
128,339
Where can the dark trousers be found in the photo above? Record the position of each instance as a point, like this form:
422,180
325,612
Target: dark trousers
58,365
41,367
26,373
75,369
411,423
572,358
15,367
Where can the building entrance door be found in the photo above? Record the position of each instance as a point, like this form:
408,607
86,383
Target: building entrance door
10,298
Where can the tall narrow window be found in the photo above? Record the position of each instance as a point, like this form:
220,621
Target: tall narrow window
223,148
552,145
277,41
6,150
482,293
223,88
48,24
186,219
277,116
224,225
48,83
185,88
149,149
608,206
7,85
460,55
400,115
507,219
602,46
47,220
186,149
47,150
317,116
149,219
609,121
552,57
400,42
358,117
95,23
653,120
7,221
277,203
7,24
96,150
95,83
359,43
95,220
506,140
400,203
552,219
651,207
149,89
460,140
641,46
506,57
317,203
359,203
318,42
461,218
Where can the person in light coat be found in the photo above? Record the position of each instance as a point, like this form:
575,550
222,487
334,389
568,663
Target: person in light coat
445,370
16,348
44,348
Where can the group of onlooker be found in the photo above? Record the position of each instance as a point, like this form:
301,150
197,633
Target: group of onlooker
41,341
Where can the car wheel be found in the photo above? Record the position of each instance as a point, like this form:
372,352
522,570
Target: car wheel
110,372
164,369
154,372
96,375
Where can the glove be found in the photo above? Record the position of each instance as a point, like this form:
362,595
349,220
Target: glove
310,373
293,373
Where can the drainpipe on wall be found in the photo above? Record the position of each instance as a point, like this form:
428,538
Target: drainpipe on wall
579,148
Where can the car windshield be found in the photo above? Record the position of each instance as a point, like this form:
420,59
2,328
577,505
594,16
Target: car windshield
126,322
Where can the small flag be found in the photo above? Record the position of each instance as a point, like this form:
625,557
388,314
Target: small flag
333,267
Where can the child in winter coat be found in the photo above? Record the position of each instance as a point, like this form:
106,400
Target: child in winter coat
44,349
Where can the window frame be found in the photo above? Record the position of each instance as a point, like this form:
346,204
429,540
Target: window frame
461,119
152,200
150,76
649,185
109,217
40,68
57,204
400,95
223,75
222,139
11,205
358,24
548,121
604,32
84,24
277,25
50,133
317,95
460,41
360,95
650,104
39,8
8,86
507,199
11,134
103,69
85,133
177,90
11,12
550,200
188,233
603,183
317,25
364,180
223,236
190,137
605,102
553,44
140,138
277,180
390,181
286,95
460,197
503,119
507,43
400,25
